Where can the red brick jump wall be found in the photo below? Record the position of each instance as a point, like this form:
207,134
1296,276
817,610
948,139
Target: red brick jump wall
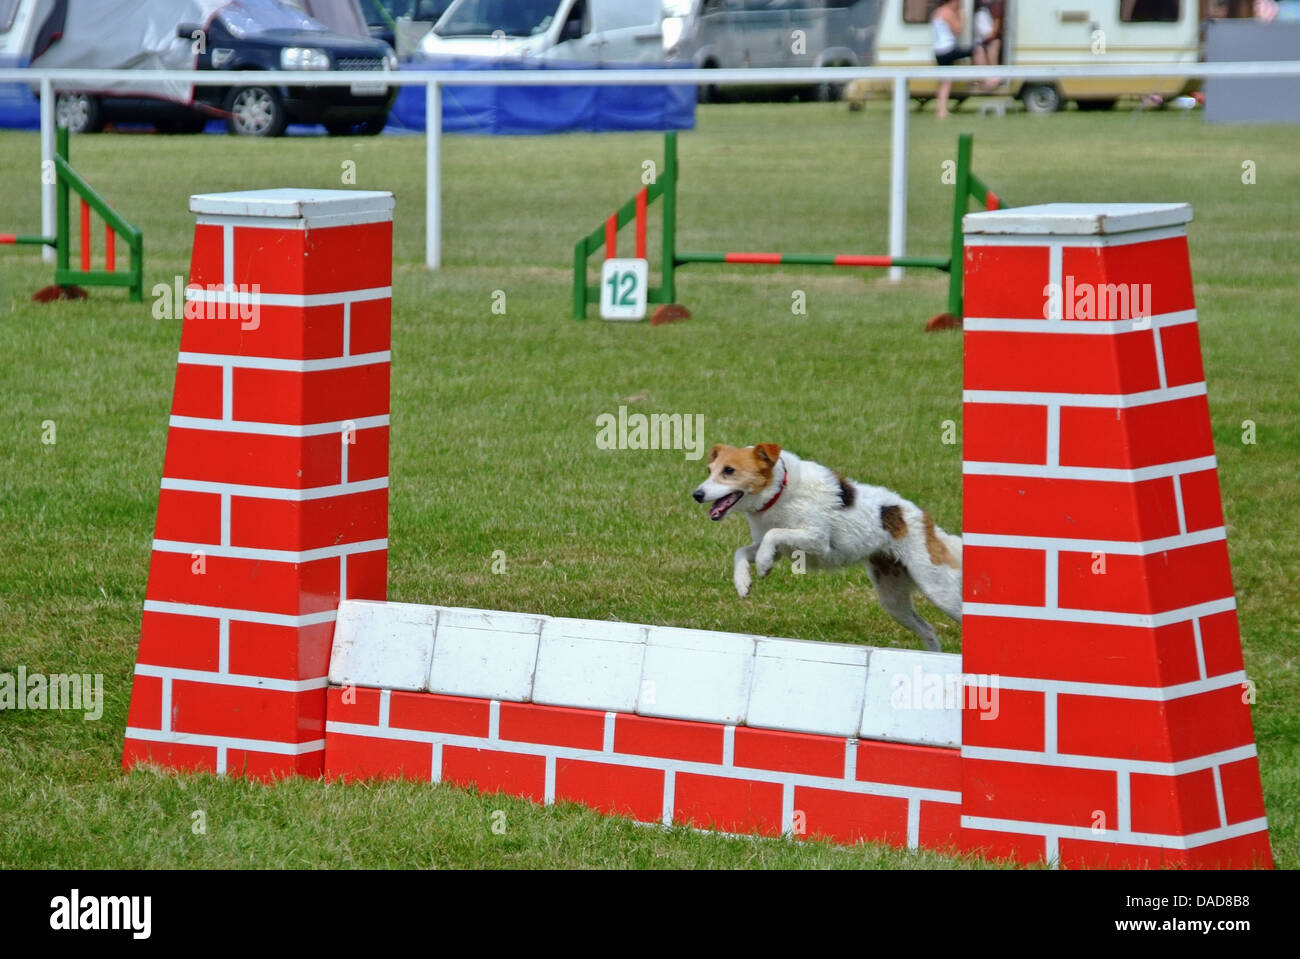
709,775
1096,575
1098,611
274,500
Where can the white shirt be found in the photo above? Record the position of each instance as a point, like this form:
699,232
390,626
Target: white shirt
983,25
944,41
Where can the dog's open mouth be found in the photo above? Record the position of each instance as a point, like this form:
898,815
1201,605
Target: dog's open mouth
721,506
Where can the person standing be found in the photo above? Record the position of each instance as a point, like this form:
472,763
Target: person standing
947,26
988,33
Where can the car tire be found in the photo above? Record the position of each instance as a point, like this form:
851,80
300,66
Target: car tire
1041,98
255,112
831,92
78,112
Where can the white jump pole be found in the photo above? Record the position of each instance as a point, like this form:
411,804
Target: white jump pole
433,176
48,180
898,179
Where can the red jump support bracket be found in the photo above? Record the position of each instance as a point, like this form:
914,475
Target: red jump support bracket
1096,576
274,500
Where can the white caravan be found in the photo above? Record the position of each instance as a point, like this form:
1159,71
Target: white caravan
1056,33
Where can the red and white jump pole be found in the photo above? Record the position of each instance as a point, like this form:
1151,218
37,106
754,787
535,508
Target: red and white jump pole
1105,717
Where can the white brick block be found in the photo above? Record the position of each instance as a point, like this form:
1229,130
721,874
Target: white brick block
589,664
808,687
485,653
913,697
696,674
388,645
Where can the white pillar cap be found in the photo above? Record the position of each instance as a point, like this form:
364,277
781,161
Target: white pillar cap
1077,219
289,208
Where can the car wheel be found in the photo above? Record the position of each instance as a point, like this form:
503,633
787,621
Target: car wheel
831,92
255,112
78,113
1041,98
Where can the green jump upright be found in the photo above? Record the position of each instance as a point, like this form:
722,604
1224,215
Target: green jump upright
663,188
67,181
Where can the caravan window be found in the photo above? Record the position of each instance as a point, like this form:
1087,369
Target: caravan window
918,11
1149,11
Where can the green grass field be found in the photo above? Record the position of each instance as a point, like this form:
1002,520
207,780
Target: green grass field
494,425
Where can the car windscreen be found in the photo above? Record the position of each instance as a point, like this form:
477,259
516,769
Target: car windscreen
244,18
484,18
381,12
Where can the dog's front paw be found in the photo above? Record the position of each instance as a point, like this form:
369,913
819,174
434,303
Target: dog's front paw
763,562
742,580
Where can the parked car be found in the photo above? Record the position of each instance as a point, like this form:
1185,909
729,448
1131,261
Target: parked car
227,35
590,31
770,33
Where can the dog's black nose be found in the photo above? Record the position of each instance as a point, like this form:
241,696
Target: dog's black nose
699,495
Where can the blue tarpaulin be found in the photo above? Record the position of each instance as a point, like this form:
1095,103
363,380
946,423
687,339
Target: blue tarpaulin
20,109
514,110
491,109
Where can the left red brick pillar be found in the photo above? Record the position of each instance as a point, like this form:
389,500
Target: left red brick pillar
274,500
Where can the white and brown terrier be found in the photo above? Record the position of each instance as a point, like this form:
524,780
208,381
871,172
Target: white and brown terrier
794,504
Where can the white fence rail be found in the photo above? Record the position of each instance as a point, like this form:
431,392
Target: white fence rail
50,81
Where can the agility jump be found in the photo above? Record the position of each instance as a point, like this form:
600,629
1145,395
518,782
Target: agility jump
68,279
967,187
1095,717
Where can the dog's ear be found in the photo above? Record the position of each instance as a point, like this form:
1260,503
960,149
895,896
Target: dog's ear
768,452
713,453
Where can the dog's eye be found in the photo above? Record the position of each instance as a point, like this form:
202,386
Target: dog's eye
728,470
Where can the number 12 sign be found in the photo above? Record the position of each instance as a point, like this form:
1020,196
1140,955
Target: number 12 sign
623,286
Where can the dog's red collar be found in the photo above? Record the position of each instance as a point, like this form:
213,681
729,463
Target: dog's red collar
785,475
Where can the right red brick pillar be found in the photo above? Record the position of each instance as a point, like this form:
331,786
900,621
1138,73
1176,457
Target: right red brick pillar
1098,608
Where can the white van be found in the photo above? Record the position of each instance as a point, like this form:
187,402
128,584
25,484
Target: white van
592,31
1057,32
28,27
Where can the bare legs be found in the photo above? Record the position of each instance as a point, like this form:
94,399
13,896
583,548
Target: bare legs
979,59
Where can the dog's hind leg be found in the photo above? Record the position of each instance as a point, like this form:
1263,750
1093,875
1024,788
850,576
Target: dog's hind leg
894,587
941,585
934,562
